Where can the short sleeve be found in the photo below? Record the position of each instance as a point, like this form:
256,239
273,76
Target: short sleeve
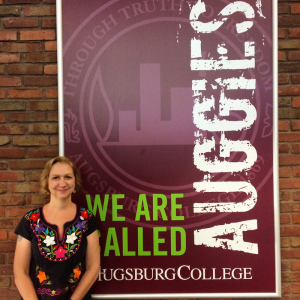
92,224
24,229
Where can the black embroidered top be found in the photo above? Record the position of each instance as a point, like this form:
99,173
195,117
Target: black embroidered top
56,266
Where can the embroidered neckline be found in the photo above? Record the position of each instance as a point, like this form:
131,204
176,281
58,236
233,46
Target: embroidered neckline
48,240
55,227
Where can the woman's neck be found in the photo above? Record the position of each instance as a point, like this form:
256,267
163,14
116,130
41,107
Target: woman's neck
55,204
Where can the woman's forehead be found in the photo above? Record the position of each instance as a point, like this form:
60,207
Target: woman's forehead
61,167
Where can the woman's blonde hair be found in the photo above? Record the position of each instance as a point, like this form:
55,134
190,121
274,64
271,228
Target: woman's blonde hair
44,189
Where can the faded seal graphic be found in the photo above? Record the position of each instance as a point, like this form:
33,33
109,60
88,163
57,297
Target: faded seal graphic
127,79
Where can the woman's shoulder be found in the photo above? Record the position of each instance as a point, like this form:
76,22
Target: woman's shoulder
87,217
29,219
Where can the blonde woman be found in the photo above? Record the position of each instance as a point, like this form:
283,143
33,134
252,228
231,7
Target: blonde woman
57,252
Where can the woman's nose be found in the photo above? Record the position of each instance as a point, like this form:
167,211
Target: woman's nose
62,182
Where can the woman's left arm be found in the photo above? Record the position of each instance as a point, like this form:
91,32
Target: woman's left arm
92,263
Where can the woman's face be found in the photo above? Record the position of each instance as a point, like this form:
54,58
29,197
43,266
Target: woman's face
61,181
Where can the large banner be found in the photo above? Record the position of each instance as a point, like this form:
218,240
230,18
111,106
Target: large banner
169,111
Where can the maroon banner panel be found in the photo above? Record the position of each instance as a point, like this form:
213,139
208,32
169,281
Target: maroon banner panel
169,113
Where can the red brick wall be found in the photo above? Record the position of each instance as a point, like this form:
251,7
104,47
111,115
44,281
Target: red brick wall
289,144
29,128
28,116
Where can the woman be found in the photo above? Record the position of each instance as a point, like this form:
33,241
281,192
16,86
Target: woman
57,253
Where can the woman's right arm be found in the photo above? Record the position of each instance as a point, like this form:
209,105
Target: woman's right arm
21,269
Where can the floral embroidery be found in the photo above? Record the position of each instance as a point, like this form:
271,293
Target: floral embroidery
60,252
74,277
39,228
71,238
43,278
42,291
80,225
84,214
35,216
76,274
49,240
49,245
